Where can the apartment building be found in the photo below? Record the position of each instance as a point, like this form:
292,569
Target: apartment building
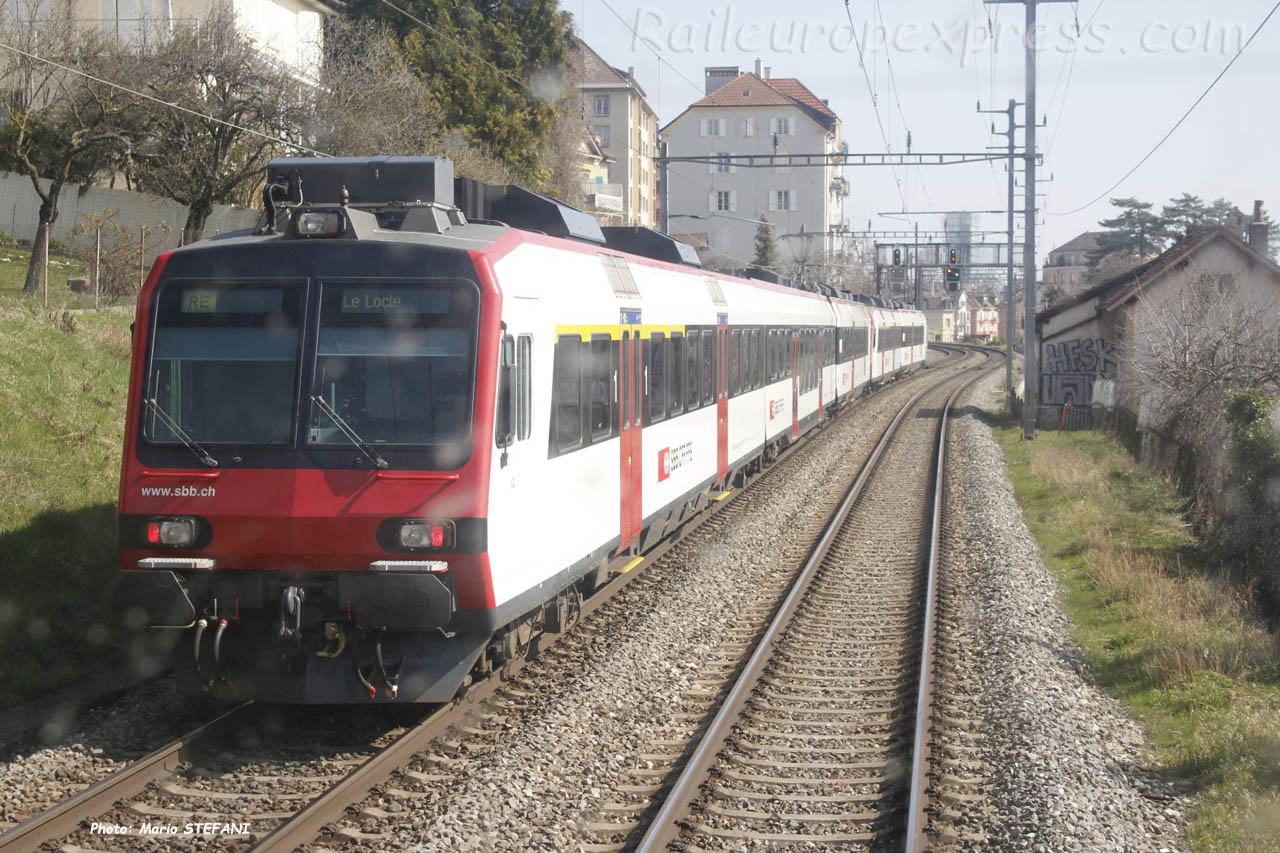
288,32
625,127
718,205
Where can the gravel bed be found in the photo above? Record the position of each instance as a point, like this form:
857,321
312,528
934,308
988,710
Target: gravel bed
103,740
576,735
1061,759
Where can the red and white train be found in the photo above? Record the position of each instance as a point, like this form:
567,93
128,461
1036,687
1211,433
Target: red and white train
378,444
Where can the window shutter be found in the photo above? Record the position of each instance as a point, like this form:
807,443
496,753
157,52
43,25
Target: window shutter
733,166
711,201
702,126
733,201
773,200
791,127
791,200
773,127
711,167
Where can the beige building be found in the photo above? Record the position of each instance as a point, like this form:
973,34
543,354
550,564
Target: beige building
1089,345
288,32
718,203
1066,270
618,114
941,323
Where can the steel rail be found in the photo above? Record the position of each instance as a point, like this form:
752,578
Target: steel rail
664,828
917,819
66,817
304,826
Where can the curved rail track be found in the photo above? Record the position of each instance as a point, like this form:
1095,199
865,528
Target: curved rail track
822,740
212,769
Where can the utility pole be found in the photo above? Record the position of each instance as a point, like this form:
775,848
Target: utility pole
664,179
915,256
1009,292
1030,370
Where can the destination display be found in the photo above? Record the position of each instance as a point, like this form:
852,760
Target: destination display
395,300
232,300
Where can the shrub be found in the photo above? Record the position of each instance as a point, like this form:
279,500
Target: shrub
1250,533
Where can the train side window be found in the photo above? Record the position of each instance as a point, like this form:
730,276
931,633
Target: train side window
753,358
657,377
675,368
600,379
504,430
734,336
524,387
692,385
567,434
709,362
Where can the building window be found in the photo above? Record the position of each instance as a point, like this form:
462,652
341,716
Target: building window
722,164
602,106
724,200
714,126
602,133
783,200
781,127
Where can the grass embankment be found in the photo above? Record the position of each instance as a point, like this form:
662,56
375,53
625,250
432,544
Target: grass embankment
1164,630
62,391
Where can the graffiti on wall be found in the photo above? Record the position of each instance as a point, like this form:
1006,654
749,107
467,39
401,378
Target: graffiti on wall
1069,368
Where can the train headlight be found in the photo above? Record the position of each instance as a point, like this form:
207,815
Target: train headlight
426,535
319,223
172,532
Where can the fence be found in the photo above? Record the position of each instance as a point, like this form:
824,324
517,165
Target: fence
1064,418
20,214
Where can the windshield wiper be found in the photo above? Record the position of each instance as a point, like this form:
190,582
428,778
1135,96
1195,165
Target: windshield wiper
177,430
346,430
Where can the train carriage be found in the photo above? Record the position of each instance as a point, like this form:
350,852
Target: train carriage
377,444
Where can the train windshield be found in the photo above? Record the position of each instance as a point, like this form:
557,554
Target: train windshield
225,363
396,362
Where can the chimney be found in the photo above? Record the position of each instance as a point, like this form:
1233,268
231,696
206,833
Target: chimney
759,67
717,76
768,72
631,73
1259,238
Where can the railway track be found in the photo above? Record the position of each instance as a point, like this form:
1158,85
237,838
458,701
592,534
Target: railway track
822,738
306,790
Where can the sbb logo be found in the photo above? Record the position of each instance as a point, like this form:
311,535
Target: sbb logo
664,464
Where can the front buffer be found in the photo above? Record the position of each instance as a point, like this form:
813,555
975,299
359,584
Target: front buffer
312,638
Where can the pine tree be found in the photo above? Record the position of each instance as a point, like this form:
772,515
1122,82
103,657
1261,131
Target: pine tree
766,248
1135,232
497,70
1185,214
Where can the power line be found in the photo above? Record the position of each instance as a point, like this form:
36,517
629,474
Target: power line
163,102
1180,122
875,107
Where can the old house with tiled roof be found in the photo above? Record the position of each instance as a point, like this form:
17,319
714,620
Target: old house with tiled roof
625,127
718,203
1090,344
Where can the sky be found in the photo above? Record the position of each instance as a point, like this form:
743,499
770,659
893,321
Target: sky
1107,96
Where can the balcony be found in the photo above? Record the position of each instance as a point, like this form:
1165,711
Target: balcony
604,196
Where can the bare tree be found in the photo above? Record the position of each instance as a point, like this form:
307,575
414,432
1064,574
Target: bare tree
63,125
1196,342
371,101
244,110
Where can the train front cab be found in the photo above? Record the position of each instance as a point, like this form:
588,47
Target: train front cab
302,500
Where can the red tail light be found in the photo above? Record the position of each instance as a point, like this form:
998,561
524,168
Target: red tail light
153,532
437,536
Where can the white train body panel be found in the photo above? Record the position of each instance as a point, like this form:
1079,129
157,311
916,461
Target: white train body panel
555,515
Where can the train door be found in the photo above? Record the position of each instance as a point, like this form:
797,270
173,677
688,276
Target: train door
795,385
822,370
722,403
630,409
